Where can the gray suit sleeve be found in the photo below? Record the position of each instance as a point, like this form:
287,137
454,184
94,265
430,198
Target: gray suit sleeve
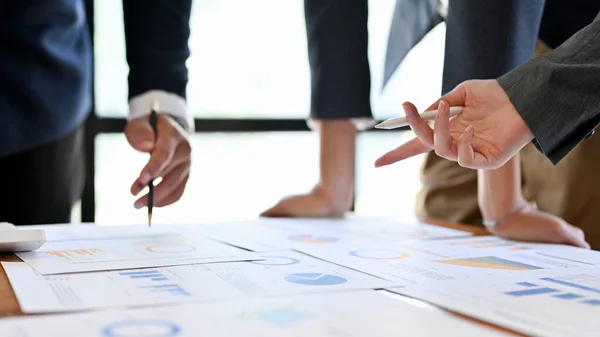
558,93
337,51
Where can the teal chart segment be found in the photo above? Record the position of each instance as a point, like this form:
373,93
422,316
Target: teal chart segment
315,279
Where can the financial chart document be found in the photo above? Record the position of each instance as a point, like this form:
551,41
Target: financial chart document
420,262
276,234
348,314
551,303
97,253
561,254
278,273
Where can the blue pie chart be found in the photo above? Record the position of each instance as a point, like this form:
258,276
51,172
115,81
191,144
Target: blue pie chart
141,328
315,279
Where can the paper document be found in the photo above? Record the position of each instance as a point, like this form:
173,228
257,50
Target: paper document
275,274
550,303
354,314
371,226
567,256
99,254
276,234
66,233
435,261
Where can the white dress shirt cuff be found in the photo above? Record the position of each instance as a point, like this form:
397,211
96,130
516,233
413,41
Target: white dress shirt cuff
168,103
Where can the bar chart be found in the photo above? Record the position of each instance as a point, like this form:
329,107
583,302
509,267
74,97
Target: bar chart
67,254
152,274
528,289
171,289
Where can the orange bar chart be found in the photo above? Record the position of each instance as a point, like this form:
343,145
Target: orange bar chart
67,254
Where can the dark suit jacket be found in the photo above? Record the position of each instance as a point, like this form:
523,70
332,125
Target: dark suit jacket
337,52
484,39
558,93
46,63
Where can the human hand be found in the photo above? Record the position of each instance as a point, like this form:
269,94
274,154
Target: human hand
487,133
170,158
530,224
316,204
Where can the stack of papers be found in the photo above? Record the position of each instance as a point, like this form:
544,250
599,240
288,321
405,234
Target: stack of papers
297,277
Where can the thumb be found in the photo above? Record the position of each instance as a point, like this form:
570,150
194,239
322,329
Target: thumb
140,135
456,97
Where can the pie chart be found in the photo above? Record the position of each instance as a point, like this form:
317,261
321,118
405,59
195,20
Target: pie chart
275,261
141,328
315,279
309,238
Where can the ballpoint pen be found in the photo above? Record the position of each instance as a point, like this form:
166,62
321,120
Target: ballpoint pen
153,120
397,122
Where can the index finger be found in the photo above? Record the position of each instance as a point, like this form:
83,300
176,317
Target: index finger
409,149
159,159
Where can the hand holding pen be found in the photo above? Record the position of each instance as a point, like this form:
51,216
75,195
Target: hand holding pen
170,158
485,135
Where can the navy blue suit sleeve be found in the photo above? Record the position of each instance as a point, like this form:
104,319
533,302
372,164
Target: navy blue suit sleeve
337,51
157,34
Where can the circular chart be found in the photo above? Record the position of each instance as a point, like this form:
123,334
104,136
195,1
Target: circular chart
309,238
141,328
170,248
379,254
275,261
315,279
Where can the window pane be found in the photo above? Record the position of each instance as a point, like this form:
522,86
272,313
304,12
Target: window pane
110,74
249,60
388,190
234,176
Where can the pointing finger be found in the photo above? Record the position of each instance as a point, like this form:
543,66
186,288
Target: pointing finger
418,125
404,151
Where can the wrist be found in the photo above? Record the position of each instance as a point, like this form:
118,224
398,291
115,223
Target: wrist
339,126
337,163
493,223
169,104
337,198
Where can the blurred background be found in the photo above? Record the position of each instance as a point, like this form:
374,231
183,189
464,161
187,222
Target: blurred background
249,71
